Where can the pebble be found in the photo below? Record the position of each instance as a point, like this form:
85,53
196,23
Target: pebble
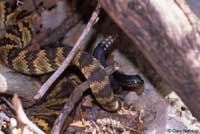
131,98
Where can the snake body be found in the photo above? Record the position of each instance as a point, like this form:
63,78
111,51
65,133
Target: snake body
117,78
18,34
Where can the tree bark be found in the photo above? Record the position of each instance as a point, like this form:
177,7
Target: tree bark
167,33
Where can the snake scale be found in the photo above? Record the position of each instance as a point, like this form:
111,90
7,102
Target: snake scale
18,33
118,78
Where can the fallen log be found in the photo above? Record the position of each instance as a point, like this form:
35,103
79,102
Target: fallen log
168,35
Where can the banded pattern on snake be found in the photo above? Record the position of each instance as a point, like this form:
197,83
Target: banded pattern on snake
14,53
14,42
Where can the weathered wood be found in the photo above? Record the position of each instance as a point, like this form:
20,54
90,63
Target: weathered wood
167,33
12,82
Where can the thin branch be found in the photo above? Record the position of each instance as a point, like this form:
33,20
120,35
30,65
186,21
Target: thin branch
8,104
69,105
22,117
70,56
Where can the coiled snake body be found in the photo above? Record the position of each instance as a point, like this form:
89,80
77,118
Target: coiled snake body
14,53
13,50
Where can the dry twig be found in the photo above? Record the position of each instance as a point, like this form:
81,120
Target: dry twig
70,56
22,118
116,124
7,103
69,105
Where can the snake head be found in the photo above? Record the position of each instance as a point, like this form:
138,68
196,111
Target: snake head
130,82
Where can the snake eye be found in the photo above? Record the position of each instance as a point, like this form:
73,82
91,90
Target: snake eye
136,81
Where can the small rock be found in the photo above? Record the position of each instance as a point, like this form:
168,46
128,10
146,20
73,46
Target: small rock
87,102
52,19
131,98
